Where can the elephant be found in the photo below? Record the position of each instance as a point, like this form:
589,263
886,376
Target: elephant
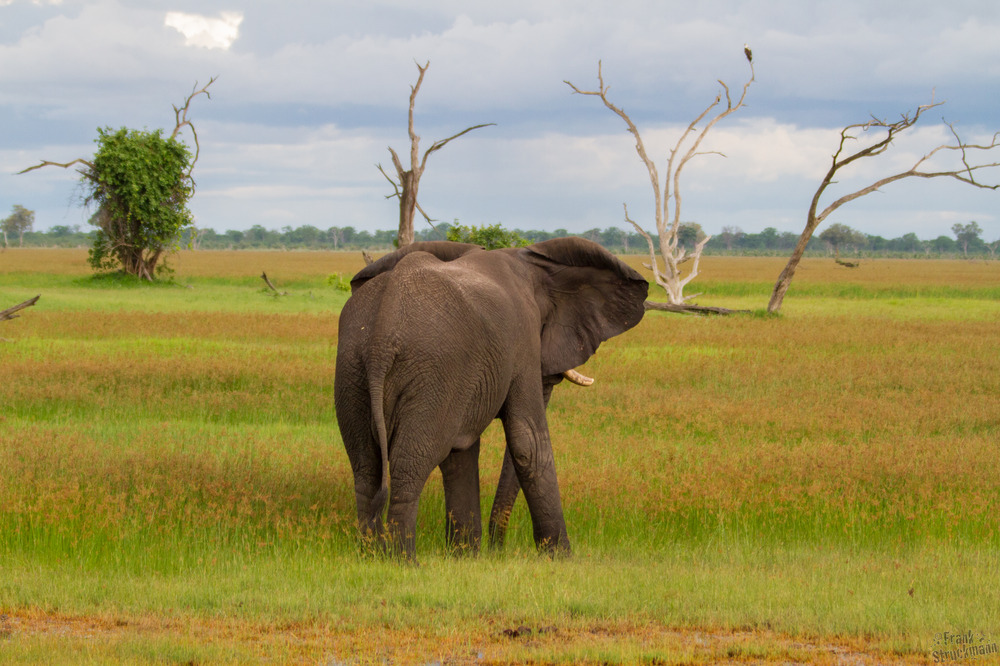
439,338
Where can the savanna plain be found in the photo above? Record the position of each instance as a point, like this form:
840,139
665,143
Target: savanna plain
818,487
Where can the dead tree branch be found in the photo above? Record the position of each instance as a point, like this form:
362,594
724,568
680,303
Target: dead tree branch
271,286
182,121
409,179
45,163
688,308
842,158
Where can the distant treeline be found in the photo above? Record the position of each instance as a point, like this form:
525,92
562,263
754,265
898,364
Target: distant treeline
770,241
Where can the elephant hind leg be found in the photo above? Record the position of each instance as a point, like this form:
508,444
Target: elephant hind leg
369,519
407,482
464,523
401,528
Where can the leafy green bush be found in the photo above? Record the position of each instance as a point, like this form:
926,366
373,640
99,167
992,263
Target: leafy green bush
140,183
490,237
339,282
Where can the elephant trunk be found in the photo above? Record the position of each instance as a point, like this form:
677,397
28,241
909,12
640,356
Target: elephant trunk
577,378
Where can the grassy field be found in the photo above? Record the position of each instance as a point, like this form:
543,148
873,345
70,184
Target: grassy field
819,487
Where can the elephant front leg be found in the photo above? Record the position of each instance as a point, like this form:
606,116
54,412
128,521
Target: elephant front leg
531,454
508,487
460,473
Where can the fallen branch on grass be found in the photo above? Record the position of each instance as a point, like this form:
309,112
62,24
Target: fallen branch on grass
270,286
691,309
10,313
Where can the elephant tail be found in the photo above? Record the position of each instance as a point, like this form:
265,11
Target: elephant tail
375,390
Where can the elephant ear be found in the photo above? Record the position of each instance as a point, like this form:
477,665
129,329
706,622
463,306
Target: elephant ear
443,250
585,295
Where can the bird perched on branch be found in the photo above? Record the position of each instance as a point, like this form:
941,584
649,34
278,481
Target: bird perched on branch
748,52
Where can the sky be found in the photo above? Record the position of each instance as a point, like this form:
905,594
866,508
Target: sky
310,94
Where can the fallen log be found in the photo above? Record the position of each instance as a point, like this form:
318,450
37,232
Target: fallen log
691,309
11,313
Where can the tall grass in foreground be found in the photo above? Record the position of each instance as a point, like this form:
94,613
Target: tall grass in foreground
830,472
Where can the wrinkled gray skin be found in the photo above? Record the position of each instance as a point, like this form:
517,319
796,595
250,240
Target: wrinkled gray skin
436,341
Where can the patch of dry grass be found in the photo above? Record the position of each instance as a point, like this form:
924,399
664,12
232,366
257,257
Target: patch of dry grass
44,261
490,642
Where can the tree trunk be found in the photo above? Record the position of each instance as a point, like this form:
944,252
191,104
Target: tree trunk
785,279
407,207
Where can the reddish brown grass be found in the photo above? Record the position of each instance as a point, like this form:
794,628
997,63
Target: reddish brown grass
490,643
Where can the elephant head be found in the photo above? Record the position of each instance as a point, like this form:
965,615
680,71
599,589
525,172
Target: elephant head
586,296
438,339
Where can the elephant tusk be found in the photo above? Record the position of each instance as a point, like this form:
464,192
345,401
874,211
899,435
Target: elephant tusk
577,378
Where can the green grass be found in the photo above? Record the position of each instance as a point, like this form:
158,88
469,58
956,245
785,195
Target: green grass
196,295
171,473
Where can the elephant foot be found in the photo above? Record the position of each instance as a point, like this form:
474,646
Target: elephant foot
555,544
371,539
557,551
463,544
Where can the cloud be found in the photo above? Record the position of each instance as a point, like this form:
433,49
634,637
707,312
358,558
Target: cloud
312,93
206,32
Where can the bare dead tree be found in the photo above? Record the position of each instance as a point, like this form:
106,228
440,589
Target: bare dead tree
844,157
670,274
409,179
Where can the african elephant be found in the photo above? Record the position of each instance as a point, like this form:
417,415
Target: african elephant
437,340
